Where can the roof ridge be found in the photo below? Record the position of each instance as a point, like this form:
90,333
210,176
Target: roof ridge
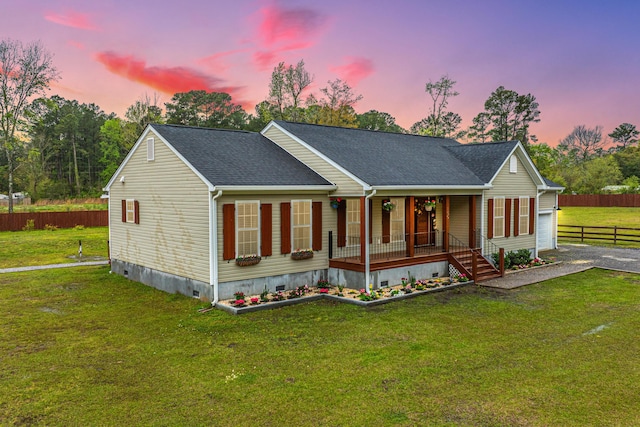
202,128
365,130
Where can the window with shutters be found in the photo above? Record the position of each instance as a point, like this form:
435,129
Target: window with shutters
131,211
301,224
523,222
397,220
353,222
498,217
247,228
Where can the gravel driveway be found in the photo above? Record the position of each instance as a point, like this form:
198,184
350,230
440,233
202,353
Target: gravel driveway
572,258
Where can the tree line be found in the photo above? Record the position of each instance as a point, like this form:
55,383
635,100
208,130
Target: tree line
57,148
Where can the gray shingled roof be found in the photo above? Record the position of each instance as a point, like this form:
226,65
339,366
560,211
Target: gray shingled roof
388,159
551,183
483,159
237,158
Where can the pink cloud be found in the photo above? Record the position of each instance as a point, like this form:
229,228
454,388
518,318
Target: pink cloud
355,70
281,30
285,25
77,45
169,80
264,59
72,19
215,62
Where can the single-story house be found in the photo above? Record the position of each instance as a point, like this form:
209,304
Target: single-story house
209,212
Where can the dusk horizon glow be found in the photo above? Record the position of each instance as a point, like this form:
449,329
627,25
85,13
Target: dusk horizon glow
577,58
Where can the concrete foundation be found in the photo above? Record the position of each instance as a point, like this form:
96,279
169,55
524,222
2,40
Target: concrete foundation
189,287
390,277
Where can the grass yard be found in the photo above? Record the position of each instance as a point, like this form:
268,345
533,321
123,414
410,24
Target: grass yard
603,217
60,206
40,247
83,347
606,216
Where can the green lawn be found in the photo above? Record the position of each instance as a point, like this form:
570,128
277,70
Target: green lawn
608,216
603,217
40,247
83,347
63,207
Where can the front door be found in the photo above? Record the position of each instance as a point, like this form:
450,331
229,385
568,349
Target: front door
425,235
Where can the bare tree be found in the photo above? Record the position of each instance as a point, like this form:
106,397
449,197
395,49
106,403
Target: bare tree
285,89
440,92
25,72
583,142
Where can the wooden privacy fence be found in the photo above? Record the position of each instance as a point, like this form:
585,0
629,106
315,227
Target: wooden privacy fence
591,232
17,221
600,200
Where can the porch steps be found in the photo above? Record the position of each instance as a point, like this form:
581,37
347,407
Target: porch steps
486,270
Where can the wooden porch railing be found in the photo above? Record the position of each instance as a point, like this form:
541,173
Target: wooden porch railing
425,244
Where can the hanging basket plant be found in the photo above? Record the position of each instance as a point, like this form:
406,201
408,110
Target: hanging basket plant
335,202
425,205
387,205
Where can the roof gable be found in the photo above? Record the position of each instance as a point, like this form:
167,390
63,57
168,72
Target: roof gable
237,158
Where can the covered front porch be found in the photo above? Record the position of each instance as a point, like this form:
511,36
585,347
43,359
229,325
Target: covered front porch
409,232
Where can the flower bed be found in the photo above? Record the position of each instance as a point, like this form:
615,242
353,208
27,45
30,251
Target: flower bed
407,289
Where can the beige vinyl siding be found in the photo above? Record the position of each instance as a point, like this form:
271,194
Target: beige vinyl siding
173,234
278,263
547,201
459,218
346,185
511,185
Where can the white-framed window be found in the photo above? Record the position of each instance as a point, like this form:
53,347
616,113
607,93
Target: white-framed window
397,220
498,217
301,224
131,210
513,164
353,222
524,215
151,149
247,228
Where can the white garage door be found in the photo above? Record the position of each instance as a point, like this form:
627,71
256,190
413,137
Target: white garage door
544,232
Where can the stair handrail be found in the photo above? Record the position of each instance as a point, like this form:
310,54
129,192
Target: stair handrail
490,251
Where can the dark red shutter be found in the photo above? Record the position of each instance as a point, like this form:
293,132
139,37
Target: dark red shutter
516,216
136,211
342,224
490,219
266,229
316,226
285,228
507,217
124,211
228,231
386,226
532,219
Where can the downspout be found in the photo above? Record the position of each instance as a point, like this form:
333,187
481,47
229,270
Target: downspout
367,263
213,245
483,229
535,219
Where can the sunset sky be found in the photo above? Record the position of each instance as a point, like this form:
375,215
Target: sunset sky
580,59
